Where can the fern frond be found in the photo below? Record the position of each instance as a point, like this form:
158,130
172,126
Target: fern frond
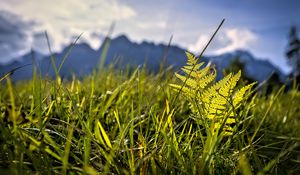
235,79
195,79
191,59
213,90
192,70
227,88
207,79
184,89
218,101
188,81
239,95
196,73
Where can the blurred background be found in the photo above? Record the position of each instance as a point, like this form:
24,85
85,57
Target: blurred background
259,34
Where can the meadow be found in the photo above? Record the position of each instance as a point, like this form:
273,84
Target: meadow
132,121
135,122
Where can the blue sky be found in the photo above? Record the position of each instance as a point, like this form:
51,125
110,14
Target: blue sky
260,26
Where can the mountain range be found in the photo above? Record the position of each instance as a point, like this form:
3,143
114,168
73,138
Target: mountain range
82,60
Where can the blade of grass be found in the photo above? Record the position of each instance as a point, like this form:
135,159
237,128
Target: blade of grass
68,52
51,55
65,157
106,44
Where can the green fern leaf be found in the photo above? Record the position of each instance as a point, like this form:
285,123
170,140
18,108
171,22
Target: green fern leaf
184,90
213,90
239,95
216,101
192,60
189,82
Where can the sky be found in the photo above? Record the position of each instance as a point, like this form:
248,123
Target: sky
259,26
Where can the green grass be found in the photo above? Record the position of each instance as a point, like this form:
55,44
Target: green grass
126,122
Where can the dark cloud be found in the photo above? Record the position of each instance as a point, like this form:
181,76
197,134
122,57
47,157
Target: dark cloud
14,37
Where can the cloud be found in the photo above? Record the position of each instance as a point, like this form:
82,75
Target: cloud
63,20
239,39
14,37
227,41
152,24
199,45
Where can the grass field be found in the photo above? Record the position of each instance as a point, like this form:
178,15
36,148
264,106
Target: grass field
134,122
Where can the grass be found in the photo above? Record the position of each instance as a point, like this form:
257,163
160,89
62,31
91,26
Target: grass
125,122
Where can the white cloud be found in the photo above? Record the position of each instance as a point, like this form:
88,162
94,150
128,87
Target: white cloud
65,19
199,45
152,24
227,41
239,39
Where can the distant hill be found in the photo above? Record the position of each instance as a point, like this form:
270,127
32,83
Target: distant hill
254,68
83,59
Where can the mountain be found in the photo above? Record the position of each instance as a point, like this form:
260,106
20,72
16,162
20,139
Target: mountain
83,59
254,68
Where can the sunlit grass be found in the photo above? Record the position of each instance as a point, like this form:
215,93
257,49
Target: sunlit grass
126,122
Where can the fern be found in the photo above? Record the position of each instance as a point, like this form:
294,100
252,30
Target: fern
216,101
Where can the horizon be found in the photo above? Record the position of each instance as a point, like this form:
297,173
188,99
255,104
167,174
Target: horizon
250,25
